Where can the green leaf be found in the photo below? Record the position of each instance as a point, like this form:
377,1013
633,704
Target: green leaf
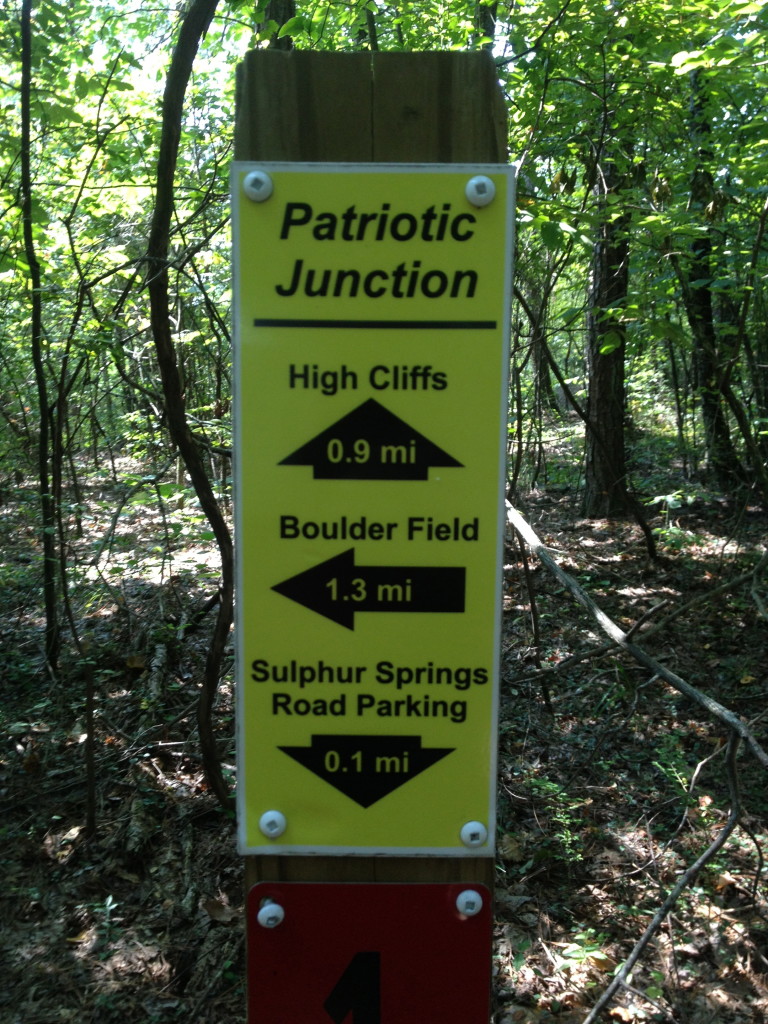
611,341
39,215
56,113
551,234
81,85
293,26
570,314
687,60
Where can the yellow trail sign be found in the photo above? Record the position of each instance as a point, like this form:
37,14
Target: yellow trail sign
371,361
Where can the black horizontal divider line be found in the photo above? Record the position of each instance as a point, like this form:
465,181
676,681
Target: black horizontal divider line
395,325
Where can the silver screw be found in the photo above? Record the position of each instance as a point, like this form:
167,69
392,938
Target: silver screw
480,190
474,833
469,902
272,824
258,186
270,915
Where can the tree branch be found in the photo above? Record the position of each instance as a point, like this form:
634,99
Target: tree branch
683,882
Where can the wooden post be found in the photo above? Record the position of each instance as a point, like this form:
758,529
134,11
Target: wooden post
369,107
418,304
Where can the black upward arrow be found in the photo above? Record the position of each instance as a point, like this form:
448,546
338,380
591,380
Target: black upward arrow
370,443
337,588
366,768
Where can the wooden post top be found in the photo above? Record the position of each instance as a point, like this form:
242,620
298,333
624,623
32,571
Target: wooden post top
370,107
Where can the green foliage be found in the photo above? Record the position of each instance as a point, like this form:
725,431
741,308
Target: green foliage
672,536
564,818
584,947
672,763
94,163
586,83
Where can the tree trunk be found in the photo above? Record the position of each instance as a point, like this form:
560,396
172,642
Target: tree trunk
47,502
605,491
485,23
193,28
757,361
697,296
279,12
535,305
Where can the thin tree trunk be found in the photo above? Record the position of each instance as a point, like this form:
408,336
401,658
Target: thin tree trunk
193,27
697,297
633,504
757,361
47,503
485,23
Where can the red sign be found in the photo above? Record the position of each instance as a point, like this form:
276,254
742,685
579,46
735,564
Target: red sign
322,953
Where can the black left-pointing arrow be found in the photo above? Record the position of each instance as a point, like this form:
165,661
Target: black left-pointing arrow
366,768
337,588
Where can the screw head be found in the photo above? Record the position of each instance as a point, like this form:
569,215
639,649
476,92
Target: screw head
270,915
480,190
272,824
258,186
469,902
474,833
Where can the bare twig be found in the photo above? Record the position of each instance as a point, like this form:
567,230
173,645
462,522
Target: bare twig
147,481
760,862
737,581
190,627
644,618
756,595
646,998
535,623
683,882
560,666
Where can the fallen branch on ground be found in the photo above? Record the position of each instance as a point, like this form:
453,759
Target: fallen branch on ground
622,640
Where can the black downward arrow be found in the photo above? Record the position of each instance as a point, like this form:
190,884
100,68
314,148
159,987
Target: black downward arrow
337,588
370,443
366,768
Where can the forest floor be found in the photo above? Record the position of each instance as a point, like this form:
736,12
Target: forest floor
611,783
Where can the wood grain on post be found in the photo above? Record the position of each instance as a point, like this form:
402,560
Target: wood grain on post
369,108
